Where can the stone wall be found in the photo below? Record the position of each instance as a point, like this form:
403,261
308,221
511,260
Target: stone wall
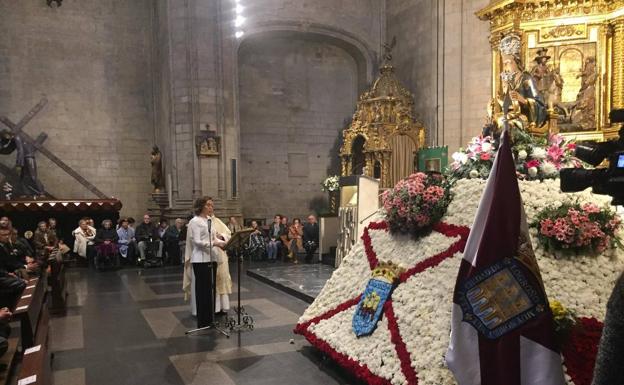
92,59
443,56
296,95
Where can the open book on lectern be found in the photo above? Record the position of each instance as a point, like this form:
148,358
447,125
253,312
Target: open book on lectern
238,239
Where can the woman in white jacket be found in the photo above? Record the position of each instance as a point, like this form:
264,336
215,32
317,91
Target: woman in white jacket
84,237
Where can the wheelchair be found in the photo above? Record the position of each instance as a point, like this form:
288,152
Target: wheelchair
106,261
152,246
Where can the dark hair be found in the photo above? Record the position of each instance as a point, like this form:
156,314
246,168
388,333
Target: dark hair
131,220
199,204
42,222
278,215
296,219
122,220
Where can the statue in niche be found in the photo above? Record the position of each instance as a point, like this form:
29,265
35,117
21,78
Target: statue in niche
545,76
584,110
157,173
519,96
207,145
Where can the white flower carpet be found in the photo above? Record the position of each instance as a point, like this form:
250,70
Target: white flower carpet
409,343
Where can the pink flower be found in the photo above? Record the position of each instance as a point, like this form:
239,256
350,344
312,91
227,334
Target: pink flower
485,156
532,163
591,208
555,153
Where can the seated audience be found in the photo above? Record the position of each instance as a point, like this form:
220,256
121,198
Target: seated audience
146,235
233,225
62,246
310,237
275,232
84,240
295,237
106,243
12,260
162,228
46,244
284,245
125,240
256,248
171,238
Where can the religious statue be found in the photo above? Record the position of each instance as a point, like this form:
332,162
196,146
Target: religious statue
545,77
519,97
157,174
25,164
584,110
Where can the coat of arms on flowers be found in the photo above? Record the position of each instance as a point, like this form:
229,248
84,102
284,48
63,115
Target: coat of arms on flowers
378,290
500,298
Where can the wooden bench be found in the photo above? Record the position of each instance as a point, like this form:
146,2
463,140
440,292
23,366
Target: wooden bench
36,367
29,309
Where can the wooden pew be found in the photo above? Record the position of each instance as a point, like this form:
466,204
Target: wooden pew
29,309
36,367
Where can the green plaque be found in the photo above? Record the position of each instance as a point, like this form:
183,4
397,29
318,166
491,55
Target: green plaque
433,159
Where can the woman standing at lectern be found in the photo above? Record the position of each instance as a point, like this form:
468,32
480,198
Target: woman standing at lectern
204,245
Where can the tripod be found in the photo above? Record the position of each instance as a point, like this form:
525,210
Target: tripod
236,244
214,326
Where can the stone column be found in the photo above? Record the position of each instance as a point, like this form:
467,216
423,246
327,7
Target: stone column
617,81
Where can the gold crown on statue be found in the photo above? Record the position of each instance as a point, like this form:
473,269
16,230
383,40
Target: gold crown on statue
387,271
510,45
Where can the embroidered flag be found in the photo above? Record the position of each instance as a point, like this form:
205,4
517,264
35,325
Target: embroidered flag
501,327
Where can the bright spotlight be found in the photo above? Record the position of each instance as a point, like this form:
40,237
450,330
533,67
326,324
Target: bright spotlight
240,20
239,34
239,9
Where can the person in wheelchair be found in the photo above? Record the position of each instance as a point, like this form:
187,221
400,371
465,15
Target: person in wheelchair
149,243
106,245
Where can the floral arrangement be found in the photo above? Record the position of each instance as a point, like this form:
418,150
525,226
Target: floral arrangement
416,203
535,158
330,183
412,337
577,227
564,320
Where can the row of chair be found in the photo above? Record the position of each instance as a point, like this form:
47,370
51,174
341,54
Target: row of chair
28,359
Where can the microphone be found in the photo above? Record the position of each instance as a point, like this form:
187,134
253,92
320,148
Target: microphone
209,221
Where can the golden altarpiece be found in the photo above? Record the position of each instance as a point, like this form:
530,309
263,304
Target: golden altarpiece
382,140
575,51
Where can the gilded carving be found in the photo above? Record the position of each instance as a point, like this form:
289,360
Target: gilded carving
383,111
563,32
583,77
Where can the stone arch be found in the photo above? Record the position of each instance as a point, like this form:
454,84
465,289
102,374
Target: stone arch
364,56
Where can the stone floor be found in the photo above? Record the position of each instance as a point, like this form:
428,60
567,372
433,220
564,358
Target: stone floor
127,327
303,281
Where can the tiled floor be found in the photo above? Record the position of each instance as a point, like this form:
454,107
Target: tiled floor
127,327
303,281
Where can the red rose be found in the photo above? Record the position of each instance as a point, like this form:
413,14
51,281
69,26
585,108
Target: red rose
485,156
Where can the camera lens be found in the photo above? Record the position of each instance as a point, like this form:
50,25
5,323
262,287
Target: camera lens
578,179
590,152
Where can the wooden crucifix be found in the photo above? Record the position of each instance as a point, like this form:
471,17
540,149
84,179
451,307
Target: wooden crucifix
16,128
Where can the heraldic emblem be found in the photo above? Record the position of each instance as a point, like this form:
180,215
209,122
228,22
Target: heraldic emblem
379,288
500,298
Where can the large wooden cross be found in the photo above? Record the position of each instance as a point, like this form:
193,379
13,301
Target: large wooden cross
16,128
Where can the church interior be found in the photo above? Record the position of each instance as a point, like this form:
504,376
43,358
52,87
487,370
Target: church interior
403,192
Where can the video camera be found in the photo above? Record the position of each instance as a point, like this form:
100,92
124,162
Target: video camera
607,181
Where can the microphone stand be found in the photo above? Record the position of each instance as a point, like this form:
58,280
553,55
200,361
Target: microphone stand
214,326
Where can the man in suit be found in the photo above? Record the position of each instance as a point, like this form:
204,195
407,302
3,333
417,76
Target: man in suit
310,237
